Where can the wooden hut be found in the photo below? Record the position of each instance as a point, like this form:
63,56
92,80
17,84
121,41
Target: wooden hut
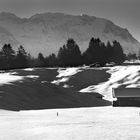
126,96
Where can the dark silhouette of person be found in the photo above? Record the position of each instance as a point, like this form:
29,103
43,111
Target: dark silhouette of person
57,113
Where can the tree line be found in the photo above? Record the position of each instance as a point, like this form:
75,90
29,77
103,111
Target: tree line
68,55
9,59
97,52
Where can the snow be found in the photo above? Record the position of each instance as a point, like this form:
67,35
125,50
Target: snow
6,78
132,61
32,76
67,72
44,82
128,76
98,123
57,82
64,74
29,69
67,86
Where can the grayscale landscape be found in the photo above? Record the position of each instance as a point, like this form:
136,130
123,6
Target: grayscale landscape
69,70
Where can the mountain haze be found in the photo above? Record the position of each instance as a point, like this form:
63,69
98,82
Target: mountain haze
47,32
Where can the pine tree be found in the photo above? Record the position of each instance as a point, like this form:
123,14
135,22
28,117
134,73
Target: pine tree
109,52
62,56
41,60
119,56
95,53
131,56
89,54
102,55
7,57
51,60
69,54
21,58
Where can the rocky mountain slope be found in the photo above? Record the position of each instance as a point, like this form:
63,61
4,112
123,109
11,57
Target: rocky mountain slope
47,32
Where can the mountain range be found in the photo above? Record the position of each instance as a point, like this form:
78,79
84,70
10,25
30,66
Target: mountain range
47,32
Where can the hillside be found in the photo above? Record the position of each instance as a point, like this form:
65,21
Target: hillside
45,88
47,32
31,89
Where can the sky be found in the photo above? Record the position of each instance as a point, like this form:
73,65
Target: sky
125,13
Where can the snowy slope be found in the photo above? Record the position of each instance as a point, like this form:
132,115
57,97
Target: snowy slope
47,32
99,123
121,76
101,80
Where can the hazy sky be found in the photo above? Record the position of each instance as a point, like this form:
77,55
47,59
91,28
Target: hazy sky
125,13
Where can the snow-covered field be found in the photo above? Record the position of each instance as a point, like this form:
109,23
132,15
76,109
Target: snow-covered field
98,123
126,76
109,77
91,123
